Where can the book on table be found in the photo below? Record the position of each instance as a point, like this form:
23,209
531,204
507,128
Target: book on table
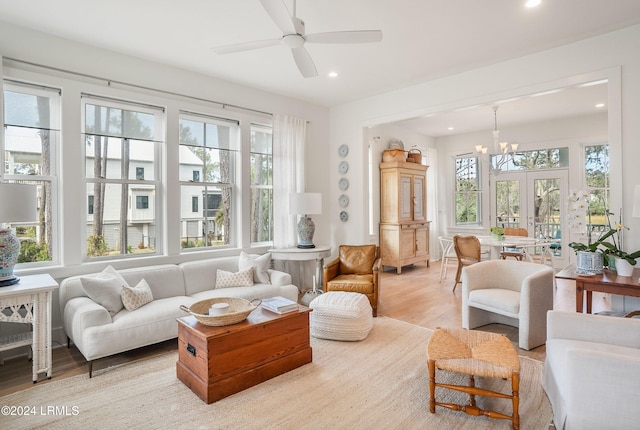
279,305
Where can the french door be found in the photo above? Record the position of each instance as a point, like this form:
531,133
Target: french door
534,200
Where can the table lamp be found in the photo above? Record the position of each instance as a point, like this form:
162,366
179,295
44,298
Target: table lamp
305,204
17,204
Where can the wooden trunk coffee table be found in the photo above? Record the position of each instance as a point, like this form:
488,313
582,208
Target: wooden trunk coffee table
215,362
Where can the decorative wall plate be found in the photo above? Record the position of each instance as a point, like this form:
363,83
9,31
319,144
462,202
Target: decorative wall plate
344,201
343,167
344,216
343,184
343,150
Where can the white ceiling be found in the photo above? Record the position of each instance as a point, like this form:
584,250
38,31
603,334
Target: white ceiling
423,39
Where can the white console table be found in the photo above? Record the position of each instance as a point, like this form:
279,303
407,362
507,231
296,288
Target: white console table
319,253
29,301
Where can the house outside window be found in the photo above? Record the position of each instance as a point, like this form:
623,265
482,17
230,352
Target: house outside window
122,140
29,155
261,184
468,193
210,147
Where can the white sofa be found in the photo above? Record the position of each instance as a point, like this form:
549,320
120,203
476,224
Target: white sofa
510,292
591,371
97,334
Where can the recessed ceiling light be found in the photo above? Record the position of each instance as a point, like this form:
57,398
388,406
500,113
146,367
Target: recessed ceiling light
532,3
450,128
333,74
600,105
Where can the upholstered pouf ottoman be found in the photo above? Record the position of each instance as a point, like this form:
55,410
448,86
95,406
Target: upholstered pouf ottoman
341,316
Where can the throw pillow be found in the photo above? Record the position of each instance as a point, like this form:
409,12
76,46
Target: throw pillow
259,263
135,297
243,278
104,289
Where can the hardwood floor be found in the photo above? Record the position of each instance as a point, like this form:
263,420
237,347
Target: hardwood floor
417,297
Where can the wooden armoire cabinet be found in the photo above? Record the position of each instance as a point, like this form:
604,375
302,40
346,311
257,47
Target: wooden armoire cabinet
404,229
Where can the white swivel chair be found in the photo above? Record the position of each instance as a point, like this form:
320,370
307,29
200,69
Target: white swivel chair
508,292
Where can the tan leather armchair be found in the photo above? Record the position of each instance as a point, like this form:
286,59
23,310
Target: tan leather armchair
355,270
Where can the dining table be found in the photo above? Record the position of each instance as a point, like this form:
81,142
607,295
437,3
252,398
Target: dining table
526,244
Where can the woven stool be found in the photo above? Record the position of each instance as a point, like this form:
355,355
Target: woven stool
340,316
475,353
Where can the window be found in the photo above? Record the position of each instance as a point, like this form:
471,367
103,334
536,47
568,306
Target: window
531,160
468,193
261,184
142,202
194,204
208,146
123,159
31,142
90,209
596,173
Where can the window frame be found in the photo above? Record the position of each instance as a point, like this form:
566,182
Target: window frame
55,143
254,188
477,192
156,183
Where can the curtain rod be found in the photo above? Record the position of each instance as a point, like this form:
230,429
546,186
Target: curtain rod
142,87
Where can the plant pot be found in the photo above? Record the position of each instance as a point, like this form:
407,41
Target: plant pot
496,236
589,263
623,268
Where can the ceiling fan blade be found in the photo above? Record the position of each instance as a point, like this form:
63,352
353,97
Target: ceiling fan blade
357,36
304,62
246,46
280,15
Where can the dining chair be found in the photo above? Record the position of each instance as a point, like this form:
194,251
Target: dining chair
467,251
447,255
517,253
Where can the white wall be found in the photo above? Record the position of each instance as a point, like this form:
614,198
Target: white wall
613,56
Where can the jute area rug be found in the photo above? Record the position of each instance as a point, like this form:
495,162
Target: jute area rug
381,383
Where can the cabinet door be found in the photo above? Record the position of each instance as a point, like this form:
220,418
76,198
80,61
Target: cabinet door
422,240
407,242
419,202
406,200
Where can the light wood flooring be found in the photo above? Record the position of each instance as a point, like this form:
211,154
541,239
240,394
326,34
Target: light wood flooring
416,296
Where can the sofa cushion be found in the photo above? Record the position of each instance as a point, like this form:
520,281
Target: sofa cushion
104,289
134,297
243,278
259,263
357,260
496,298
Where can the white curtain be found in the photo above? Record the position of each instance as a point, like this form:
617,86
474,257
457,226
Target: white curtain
288,175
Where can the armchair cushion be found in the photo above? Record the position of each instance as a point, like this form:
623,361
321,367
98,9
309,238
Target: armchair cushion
497,298
357,259
353,283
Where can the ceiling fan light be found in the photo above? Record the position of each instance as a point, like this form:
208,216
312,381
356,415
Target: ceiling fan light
293,40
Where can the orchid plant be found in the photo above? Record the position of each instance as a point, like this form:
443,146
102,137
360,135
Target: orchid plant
609,242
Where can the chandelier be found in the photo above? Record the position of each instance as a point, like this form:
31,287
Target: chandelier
503,152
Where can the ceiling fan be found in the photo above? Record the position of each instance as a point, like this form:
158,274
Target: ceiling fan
294,37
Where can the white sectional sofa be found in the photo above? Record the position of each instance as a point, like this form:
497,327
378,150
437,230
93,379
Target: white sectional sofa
591,371
98,334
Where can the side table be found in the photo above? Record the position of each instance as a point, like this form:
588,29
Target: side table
32,296
319,253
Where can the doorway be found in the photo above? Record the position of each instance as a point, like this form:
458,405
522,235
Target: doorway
533,200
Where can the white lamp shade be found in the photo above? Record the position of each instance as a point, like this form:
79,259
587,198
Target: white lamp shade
305,203
18,203
636,202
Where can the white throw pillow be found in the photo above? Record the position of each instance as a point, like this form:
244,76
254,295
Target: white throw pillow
260,264
104,289
134,297
243,278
